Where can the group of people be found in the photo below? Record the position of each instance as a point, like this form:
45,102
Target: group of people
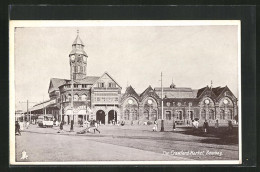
88,126
20,127
195,125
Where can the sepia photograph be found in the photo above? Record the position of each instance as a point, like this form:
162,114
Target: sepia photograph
125,92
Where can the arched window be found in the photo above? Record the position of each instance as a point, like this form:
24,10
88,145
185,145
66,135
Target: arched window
134,115
203,114
126,114
211,114
222,114
168,115
230,114
76,97
154,114
69,97
83,97
146,114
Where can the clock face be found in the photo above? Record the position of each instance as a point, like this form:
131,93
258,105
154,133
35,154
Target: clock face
130,101
150,102
225,101
207,101
84,58
72,57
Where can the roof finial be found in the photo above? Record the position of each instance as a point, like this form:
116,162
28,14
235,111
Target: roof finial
172,85
77,31
211,84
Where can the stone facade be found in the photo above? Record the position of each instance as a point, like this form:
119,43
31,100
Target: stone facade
100,98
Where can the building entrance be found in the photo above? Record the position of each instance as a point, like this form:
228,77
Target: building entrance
100,116
112,115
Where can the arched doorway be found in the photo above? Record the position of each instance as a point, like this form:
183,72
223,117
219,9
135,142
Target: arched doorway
100,116
112,115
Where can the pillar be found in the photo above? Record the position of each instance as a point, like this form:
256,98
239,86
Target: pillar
106,118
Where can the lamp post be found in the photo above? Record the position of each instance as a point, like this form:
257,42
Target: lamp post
162,125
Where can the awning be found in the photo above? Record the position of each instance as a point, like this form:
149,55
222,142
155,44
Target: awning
42,105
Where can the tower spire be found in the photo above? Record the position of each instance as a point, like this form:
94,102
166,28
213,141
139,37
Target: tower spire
78,59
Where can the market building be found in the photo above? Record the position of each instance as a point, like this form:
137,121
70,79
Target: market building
84,97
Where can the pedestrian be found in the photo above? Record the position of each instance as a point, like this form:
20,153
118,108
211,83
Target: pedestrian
174,125
230,127
27,124
57,123
61,127
113,121
155,126
122,123
216,124
132,122
17,128
206,126
21,126
96,127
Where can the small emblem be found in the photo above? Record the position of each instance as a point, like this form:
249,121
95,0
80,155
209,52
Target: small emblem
24,155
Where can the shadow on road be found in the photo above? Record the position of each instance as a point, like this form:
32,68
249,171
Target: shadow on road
220,136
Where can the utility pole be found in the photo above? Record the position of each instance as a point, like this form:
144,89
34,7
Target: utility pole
27,109
72,104
162,125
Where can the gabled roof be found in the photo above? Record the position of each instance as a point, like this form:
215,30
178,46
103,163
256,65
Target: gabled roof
131,91
218,90
200,91
147,90
55,83
78,41
106,73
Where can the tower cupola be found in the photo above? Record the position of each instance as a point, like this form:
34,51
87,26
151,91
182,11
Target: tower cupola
78,59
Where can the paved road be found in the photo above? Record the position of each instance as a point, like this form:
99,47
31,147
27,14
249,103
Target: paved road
42,147
128,143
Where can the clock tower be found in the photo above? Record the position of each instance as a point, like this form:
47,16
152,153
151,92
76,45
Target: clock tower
78,60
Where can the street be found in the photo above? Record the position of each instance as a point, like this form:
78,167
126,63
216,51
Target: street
124,143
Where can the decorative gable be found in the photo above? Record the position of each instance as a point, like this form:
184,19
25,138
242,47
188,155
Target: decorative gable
106,81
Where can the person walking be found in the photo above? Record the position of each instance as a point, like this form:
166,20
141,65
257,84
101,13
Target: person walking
206,126
174,125
96,127
17,128
61,127
230,127
27,124
216,124
155,128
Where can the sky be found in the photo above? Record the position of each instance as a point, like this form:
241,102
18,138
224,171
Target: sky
190,56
